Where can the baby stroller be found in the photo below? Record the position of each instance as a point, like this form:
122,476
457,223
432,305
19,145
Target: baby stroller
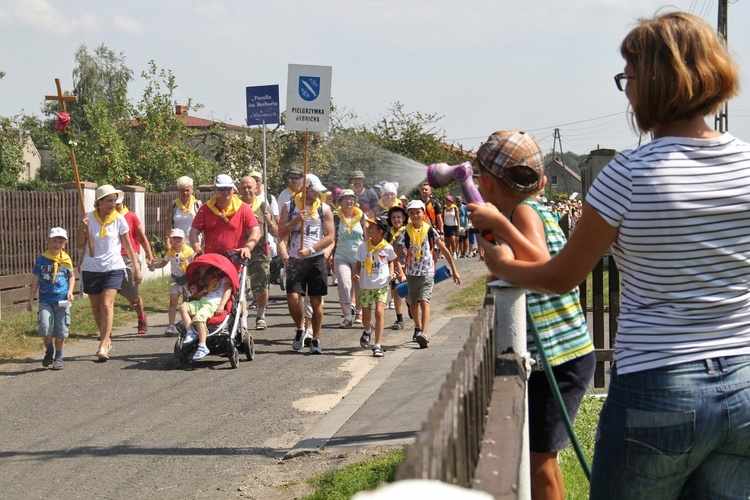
226,336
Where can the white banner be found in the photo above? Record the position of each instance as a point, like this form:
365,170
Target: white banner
308,98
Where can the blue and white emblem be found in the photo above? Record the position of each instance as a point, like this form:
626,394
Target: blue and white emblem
309,87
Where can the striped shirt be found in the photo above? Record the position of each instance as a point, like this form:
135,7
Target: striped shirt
682,207
558,318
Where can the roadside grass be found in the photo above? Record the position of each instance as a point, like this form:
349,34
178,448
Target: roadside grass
470,298
576,483
365,475
18,332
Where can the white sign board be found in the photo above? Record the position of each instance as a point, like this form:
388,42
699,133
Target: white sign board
308,98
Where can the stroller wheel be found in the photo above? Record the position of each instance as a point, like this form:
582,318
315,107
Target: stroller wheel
248,345
234,355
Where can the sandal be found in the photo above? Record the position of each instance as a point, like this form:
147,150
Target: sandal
347,323
102,354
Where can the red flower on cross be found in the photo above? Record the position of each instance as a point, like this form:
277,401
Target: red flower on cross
63,119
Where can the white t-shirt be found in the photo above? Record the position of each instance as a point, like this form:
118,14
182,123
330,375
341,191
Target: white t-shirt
107,256
313,230
381,275
683,249
214,296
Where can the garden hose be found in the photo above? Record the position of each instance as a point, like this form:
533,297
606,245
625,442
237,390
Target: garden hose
558,397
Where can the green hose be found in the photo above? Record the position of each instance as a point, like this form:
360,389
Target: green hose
558,397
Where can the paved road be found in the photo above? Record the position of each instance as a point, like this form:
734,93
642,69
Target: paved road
134,427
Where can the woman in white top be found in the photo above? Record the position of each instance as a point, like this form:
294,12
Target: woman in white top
104,270
675,423
183,209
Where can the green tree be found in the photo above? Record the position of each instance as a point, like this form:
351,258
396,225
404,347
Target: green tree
11,153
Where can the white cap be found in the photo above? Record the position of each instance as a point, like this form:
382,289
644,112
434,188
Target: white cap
389,187
314,182
223,180
58,231
177,233
415,204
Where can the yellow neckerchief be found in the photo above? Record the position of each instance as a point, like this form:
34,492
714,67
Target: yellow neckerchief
58,260
211,285
186,208
396,203
291,192
108,220
371,251
185,254
350,223
417,237
256,203
313,212
122,210
395,233
234,204
451,206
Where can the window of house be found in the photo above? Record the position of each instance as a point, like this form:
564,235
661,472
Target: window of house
554,180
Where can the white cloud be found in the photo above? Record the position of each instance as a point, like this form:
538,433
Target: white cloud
127,25
211,10
44,16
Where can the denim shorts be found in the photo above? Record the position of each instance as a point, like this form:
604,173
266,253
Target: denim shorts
680,431
53,320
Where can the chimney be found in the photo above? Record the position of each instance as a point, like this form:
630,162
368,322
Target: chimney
180,110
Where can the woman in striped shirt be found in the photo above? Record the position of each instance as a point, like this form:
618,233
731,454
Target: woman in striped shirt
676,422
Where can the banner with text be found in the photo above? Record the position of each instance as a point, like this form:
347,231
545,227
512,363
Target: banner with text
308,98
262,104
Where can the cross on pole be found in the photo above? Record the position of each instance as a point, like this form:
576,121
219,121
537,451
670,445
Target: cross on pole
60,96
63,99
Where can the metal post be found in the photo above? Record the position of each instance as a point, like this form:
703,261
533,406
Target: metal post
510,334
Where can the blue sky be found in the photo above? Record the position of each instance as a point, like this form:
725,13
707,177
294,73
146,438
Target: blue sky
481,65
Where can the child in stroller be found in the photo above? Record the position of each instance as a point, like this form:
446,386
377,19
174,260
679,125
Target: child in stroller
216,307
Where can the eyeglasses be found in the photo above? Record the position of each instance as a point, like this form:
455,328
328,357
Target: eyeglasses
291,178
619,77
224,188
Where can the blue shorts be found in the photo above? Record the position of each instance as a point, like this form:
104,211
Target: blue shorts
54,320
95,283
680,431
547,432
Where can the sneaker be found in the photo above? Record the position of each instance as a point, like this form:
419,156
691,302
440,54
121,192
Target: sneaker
58,364
358,319
398,325
364,340
417,331
315,347
171,330
377,351
335,282
391,305
142,326
421,340
201,353
455,255
260,324
308,337
297,344
190,336
49,357
347,323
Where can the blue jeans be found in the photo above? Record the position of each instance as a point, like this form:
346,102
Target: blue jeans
53,320
680,431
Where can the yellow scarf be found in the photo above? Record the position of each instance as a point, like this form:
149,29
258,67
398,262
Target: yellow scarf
417,238
396,203
313,209
190,206
395,233
234,204
107,221
350,223
290,191
256,204
123,210
452,206
371,251
185,254
58,260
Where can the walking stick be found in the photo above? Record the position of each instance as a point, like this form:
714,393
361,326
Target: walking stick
64,118
304,192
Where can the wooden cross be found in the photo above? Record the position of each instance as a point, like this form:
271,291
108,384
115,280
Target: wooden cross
63,99
60,96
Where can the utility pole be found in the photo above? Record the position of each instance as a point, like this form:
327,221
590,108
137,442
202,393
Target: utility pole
557,140
721,120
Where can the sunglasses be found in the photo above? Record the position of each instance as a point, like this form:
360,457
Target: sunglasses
295,178
224,188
